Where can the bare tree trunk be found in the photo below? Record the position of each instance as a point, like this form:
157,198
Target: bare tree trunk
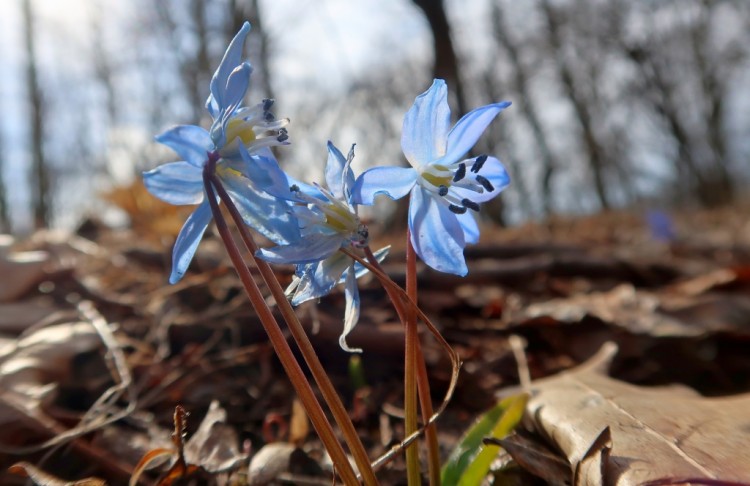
521,82
40,171
446,61
596,153
4,216
102,64
197,72
714,88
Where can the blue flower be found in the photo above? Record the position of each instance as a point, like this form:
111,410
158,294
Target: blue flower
444,186
328,221
238,139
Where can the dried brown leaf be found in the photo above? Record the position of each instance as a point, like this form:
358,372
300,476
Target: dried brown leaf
42,478
655,433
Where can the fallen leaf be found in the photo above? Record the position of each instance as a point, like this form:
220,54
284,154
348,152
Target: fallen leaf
655,433
41,478
643,312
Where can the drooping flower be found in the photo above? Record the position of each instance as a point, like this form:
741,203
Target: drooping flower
238,141
444,187
328,222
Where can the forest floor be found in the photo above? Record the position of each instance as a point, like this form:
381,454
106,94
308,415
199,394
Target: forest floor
97,350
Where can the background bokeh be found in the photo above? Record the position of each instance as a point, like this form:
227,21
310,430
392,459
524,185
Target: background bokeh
617,103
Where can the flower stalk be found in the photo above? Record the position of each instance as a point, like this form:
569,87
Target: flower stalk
276,337
303,343
423,381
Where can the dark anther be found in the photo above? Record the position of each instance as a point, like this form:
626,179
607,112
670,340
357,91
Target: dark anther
269,116
457,209
267,104
294,188
470,204
485,183
443,190
283,137
478,163
460,172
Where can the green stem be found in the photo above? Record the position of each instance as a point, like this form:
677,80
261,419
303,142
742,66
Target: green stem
423,380
278,341
327,389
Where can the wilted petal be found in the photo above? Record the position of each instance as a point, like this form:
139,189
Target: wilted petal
394,182
469,128
232,58
176,183
188,239
338,174
318,279
270,216
351,314
311,248
436,234
191,143
423,137
494,171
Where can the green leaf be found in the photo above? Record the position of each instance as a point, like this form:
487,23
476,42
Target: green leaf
470,461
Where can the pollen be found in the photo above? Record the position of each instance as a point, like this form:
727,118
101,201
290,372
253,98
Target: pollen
437,179
239,128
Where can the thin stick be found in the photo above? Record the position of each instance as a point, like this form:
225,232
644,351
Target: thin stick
327,389
276,337
518,345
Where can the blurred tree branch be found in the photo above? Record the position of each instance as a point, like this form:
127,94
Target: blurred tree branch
40,171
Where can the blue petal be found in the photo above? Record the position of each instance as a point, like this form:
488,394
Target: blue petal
188,239
318,279
338,174
191,143
436,234
264,170
268,215
237,86
232,57
176,183
494,172
394,182
470,227
311,248
469,128
425,130
351,314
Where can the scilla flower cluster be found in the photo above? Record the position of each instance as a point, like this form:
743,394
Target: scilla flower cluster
311,223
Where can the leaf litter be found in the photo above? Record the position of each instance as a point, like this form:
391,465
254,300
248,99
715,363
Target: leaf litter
97,351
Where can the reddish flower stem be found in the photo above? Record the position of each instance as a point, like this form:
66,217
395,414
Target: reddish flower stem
327,389
278,341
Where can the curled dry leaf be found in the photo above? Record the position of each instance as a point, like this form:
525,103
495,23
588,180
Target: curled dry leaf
642,312
27,269
616,433
41,478
31,367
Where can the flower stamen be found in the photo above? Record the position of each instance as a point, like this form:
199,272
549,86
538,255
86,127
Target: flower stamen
478,163
485,183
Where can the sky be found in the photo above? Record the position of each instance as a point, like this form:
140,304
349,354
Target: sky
318,45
